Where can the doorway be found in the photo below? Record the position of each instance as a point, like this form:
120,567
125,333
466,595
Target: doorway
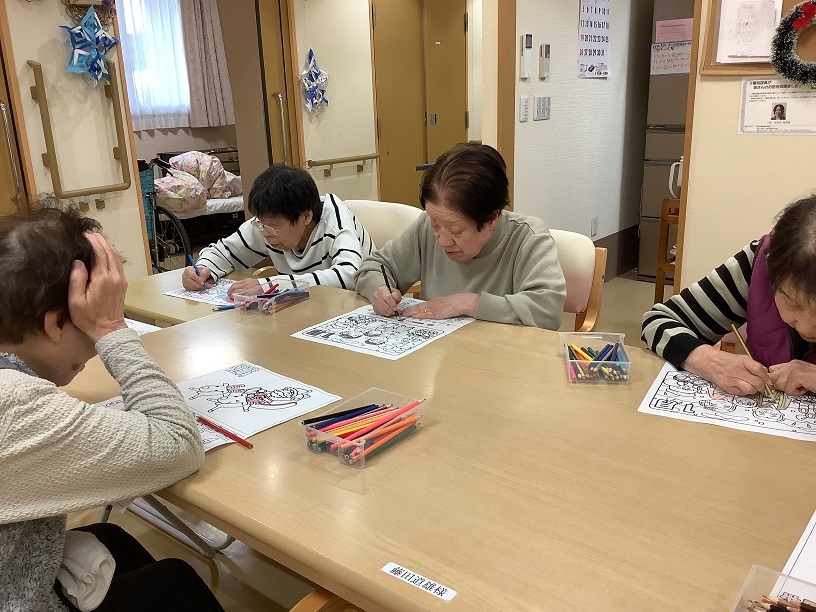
12,187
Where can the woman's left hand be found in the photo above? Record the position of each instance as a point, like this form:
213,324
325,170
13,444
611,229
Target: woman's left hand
794,378
445,307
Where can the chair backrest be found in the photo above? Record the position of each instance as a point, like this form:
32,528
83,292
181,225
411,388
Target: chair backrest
383,220
583,265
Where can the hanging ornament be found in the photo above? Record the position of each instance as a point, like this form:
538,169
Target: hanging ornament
313,80
784,58
89,44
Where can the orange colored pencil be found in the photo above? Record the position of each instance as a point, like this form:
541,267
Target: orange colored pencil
388,428
356,454
383,421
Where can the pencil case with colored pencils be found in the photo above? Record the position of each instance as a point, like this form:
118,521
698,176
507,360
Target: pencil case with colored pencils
285,294
364,427
768,589
592,357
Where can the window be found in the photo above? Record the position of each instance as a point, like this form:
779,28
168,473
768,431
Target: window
155,66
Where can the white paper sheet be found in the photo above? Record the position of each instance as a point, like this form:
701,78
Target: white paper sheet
673,30
215,295
141,328
802,566
760,99
594,61
363,331
671,58
682,395
245,399
746,30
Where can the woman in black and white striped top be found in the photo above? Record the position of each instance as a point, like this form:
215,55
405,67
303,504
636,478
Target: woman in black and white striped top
308,238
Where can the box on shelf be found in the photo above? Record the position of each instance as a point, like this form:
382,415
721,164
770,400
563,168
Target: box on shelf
766,589
356,453
595,357
288,294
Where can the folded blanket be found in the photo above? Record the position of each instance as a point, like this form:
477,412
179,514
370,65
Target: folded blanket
86,570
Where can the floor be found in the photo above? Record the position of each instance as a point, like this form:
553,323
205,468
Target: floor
244,580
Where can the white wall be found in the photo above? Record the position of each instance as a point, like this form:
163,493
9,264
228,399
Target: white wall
587,159
339,34
474,58
82,123
737,183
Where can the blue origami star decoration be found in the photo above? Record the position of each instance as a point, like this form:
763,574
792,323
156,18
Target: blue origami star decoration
313,80
89,44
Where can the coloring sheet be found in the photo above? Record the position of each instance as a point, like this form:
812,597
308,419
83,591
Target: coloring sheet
682,395
363,331
215,295
246,399
802,566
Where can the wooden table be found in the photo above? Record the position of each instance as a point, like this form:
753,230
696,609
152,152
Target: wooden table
522,492
144,298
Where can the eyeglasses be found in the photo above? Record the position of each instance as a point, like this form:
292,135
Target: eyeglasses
256,223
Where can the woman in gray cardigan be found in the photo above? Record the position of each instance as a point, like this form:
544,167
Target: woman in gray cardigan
61,304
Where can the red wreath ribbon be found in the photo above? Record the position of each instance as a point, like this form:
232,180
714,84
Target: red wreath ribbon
808,13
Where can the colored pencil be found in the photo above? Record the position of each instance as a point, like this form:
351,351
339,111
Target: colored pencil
356,418
195,267
768,390
333,415
383,421
225,432
389,428
226,307
384,444
387,285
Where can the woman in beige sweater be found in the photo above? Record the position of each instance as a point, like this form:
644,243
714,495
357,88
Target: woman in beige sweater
62,303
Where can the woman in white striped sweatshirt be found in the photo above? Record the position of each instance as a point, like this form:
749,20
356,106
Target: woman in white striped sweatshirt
307,237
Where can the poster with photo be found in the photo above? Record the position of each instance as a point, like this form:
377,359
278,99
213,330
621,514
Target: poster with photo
777,106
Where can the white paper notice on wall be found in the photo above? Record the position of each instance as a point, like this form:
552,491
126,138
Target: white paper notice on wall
671,58
746,30
593,40
777,106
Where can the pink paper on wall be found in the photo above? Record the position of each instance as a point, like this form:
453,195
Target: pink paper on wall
671,30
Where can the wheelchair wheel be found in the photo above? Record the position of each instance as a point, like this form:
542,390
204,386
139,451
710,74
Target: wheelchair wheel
172,243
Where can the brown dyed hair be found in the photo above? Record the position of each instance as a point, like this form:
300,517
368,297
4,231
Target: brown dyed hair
470,178
37,251
792,252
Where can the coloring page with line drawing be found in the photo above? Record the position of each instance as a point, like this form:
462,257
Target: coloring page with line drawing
686,396
215,295
247,399
209,437
363,331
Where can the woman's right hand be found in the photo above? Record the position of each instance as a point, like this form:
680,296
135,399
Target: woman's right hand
195,282
737,374
385,301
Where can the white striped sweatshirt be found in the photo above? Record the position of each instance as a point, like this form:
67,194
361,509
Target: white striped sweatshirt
337,246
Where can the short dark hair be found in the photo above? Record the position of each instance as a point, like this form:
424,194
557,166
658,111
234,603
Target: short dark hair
470,178
37,252
284,191
782,106
792,252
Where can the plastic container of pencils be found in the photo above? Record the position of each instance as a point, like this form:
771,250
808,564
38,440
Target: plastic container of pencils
768,590
287,293
360,429
595,357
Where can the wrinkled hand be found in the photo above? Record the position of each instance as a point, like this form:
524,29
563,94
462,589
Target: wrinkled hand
385,302
245,284
96,300
445,307
195,282
795,377
737,374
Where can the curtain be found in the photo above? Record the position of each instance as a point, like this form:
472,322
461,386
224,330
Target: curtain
156,71
210,91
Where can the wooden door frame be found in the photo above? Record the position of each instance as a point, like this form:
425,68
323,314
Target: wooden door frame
506,102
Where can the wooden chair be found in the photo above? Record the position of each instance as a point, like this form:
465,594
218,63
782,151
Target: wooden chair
584,268
669,215
321,600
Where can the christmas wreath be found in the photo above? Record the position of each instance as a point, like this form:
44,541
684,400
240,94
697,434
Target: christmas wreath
783,48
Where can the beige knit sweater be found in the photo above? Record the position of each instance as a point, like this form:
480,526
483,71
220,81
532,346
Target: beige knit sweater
59,454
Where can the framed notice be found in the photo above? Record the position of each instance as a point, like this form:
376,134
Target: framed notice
777,106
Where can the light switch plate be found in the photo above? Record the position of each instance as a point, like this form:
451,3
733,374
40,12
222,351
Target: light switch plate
523,109
541,110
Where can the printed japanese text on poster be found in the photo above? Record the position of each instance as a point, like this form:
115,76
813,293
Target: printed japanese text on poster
593,39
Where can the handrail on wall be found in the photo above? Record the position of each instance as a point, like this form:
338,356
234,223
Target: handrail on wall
311,163
49,158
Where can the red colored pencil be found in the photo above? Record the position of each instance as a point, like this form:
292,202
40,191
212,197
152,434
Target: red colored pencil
225,432
271,289
386,420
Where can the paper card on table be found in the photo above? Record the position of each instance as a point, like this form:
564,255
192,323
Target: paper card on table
802,566
141,328
215,295
672,30
686,396
363,331
420,582
246,399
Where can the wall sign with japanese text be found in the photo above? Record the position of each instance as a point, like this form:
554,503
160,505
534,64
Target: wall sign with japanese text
593,39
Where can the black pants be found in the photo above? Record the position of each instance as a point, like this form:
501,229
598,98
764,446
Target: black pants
141,583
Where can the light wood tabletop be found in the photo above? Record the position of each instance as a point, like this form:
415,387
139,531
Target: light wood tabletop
522,491
145,298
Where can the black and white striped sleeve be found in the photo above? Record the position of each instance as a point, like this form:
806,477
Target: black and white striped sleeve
701,313
242,249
